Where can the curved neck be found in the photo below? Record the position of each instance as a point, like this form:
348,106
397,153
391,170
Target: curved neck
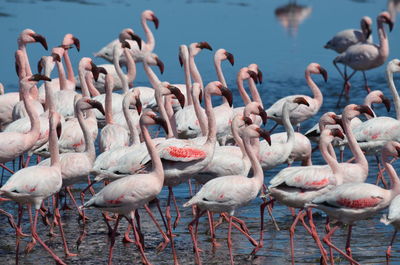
155,158
314,89
195,72
201,117
163,112
242,91
238,139
383,42
220,74
108,103
212,126
130,65
151,75
133,132
70,70
22,47
33,116
354,147
53,146
394,179
84,87
258,173
188,81
288,126
170,114
395,94
254,92
120,73
89,144
61,75
325,147
151,42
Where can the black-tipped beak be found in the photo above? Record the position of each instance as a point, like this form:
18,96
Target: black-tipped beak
39,67
125,44
138,105
263,115
337,133
368,32
386,102
301,100
313,133
204,45
338,120
77,43
324,73
180,60
41,39
253,76
59,130
265,134
38,77
398,151
230,58
160,65
102,70
247,121
161,121
201,96
389,22
178,94
97,105
95,71
366,110
137,39
227,94
56,57
156,21
260,76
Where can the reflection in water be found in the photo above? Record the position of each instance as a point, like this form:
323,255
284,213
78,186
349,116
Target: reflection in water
291,15
393,8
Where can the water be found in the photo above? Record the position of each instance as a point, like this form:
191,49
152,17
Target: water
252,32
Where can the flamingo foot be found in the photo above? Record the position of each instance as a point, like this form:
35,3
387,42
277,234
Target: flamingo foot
30,246
126,239
162,245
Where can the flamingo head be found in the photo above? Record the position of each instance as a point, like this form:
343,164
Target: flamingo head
150,118
29,36
70,40
391,148
178,94
196,47
197,92
149,15
58,53
86,103
366,23
183,54
132,101
222,54
255,108
385,17
335,132
353,110
393,66
301,100
47,62
244,74
217,88
377,96
254,67
315,68
134,37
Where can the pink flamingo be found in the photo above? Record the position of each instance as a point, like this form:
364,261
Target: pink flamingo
352,202
125,195
227,193
302,112
365,56
34,184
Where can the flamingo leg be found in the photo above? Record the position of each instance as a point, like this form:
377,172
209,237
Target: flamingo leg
380,176
178,214
246,234
36,236
58,217
65,205
113,234
292,230
194,238
139,229
168,216
28,159
327,230
126,238
273,127
314,234
327,241
366,83
157,201
137,239
230,239
348,249
6,168
390,246
212,231
71,195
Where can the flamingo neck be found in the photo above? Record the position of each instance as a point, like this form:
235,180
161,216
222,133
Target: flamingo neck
314,89
170,114
258,173
130,65
53,145
354,147
70,70
395,94
254,92
195,72
394,179
133,132
220,74
201,117
155,158
33,116
61,76
383,42
151,75
160,103
49,104
151,42
82,80
22,47
326,148
368,101
108,103
188,81
238,140
92,89
288,126
89,144
212,126
120,73
242,91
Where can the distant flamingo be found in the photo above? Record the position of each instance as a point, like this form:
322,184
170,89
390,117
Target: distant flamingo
365,56
302,112
225,194
352,202
125,195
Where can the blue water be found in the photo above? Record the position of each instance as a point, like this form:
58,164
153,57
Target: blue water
252,32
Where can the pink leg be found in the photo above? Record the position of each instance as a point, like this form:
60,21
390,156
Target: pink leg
168,216
162,246
292,230
157,201
178,214
74,202
137,239
139,229
380,176
194,237
212,232
247,235
327,230
314,234
113,234
261,240
390,246
348,249
230,239
36,237
58,217
6,168
28,159
126,238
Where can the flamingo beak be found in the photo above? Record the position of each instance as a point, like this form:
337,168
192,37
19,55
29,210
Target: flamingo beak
138,105
156,21
227,94
230,58
180,60
59,130
338,120
260,76
178,94
39,67
125,44
253,75
95,71
41,39
38,77
389,22
324,73
204,45
398,151
369,31
102,70
201,96
386,102
263,114
365,109
56,57
77,43
97,105
301,100
337,133
247,121
137,39
160,65
265,134
161,121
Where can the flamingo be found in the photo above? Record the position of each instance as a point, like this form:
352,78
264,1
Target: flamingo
227,193
125,195
351,202
139,50
392,218
302,112
365,56
34,184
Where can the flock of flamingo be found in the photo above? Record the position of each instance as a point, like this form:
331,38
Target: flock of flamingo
216,146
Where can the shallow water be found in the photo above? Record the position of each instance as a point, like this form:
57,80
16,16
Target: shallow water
252,32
